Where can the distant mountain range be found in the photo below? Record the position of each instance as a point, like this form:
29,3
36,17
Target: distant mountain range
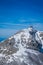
23,48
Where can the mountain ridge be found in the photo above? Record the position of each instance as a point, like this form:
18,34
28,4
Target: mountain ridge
22,48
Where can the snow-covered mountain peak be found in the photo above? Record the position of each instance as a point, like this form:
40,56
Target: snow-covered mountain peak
22,48
27,36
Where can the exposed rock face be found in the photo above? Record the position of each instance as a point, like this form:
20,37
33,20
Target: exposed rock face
22,48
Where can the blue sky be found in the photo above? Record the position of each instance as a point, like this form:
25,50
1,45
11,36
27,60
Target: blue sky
18,14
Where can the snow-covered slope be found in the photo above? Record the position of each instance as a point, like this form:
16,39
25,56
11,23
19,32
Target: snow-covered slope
22,48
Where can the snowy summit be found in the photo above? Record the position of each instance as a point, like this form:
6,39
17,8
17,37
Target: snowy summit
23,48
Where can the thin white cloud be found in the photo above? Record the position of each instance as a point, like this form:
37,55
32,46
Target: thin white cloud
36,25
29,20
12,24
